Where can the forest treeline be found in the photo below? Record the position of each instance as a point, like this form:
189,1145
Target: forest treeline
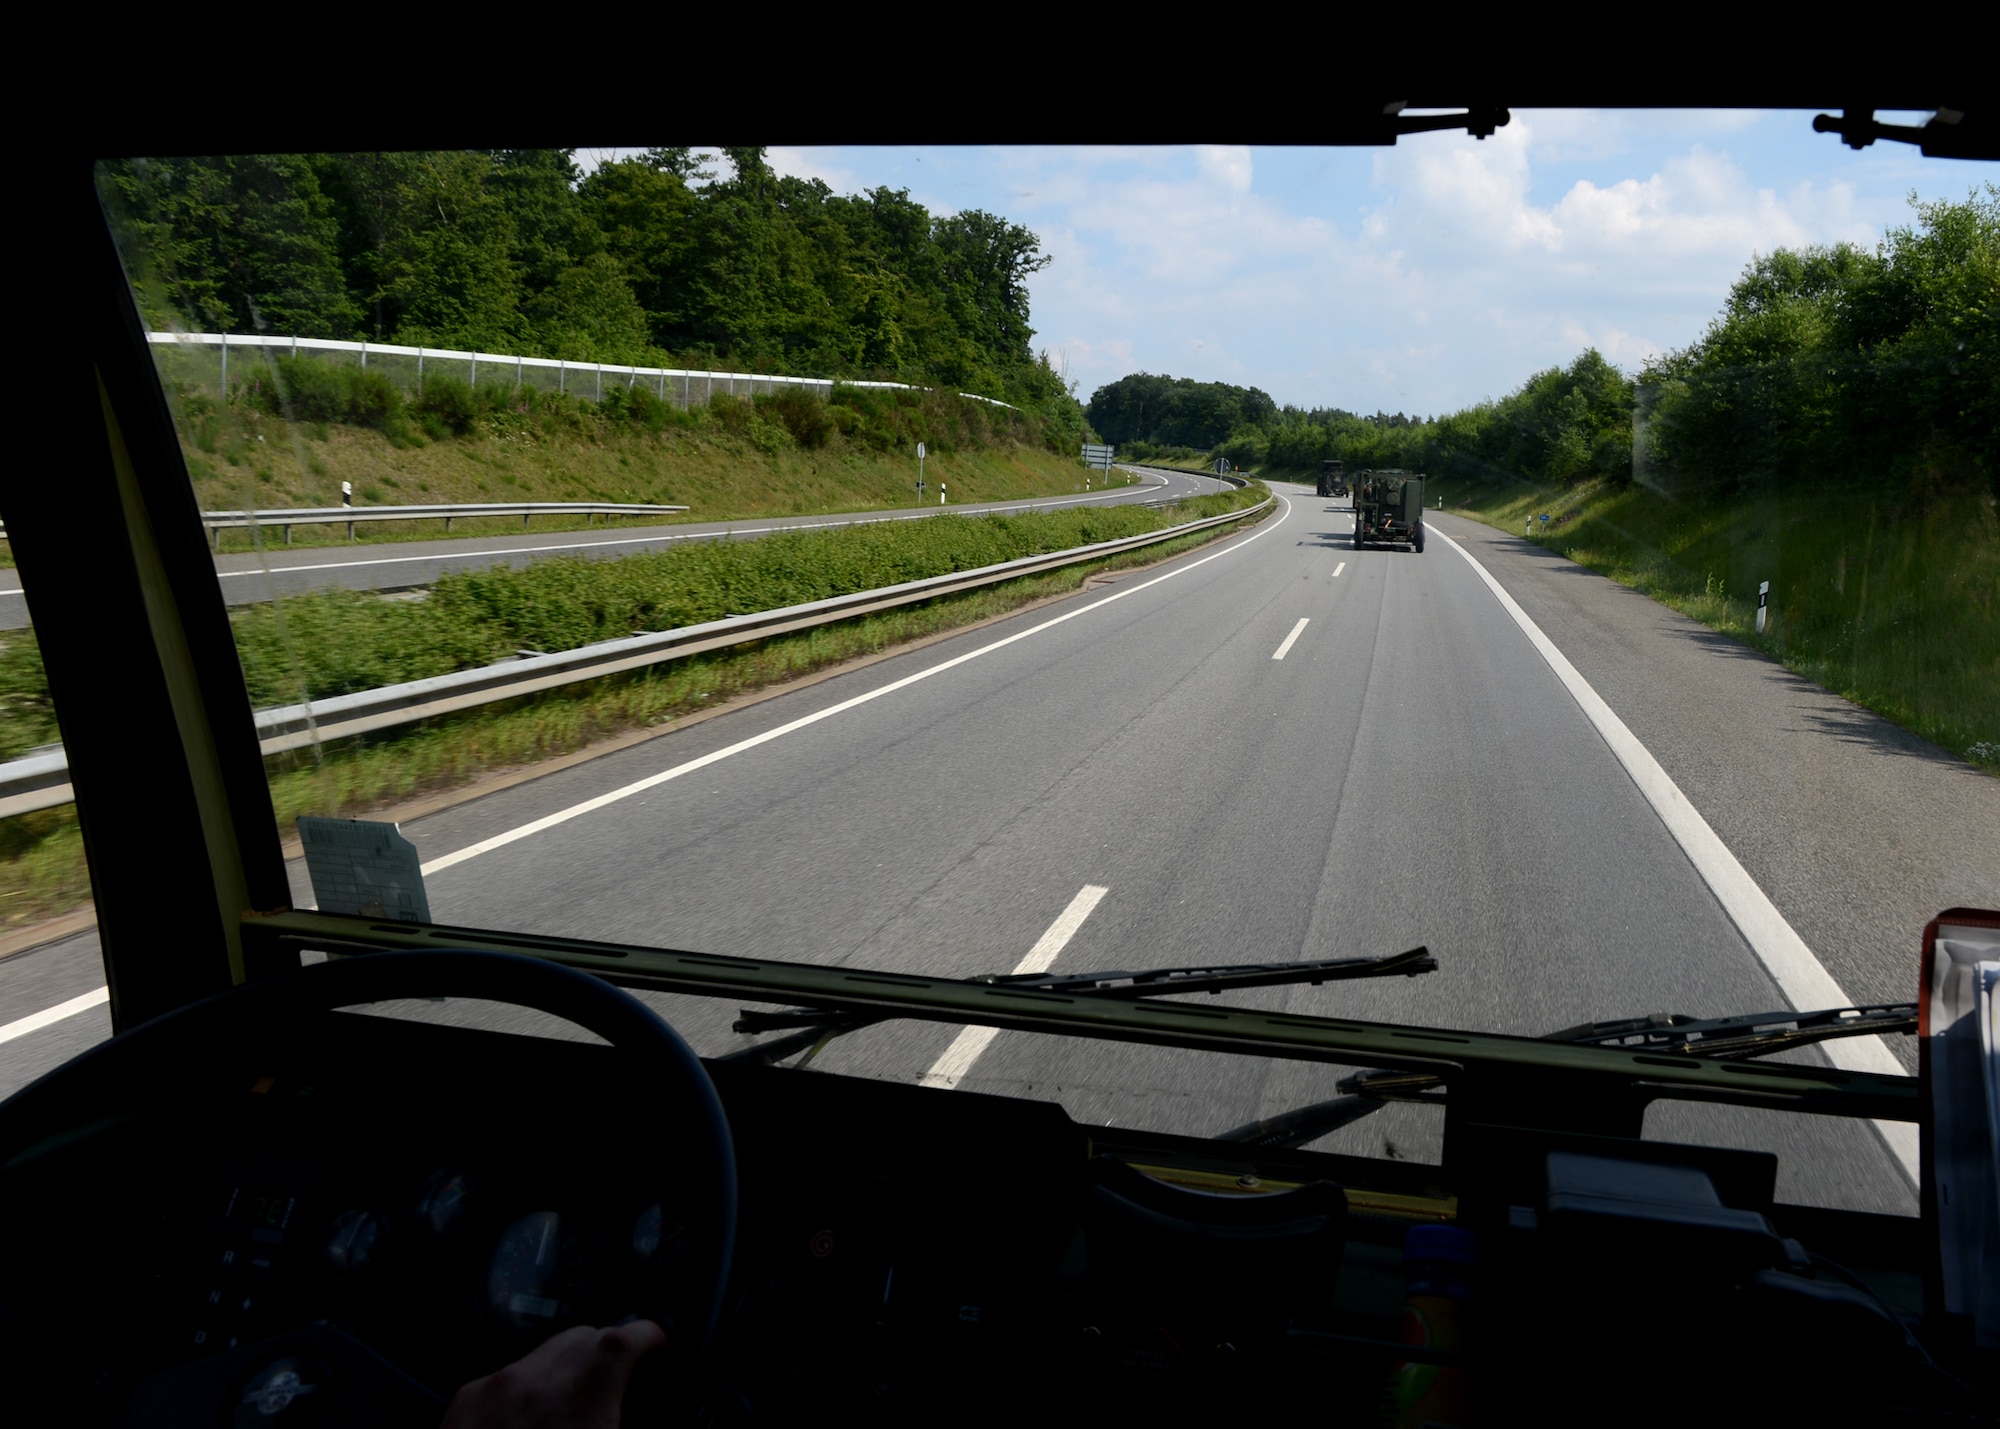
650,260
1826,363
1160,411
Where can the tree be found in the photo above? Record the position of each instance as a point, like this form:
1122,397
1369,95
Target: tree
234,244
447,265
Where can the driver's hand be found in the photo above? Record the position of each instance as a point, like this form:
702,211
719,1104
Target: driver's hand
577,1380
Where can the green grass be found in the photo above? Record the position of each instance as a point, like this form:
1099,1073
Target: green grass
788,453
338,641
1886,594
42,869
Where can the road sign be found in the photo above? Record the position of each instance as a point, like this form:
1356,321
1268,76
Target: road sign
920,451
1097,456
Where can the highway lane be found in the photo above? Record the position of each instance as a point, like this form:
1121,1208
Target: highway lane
1409,772
249,577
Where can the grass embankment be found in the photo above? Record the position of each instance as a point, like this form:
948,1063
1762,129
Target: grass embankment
291,431
334,641
1886,594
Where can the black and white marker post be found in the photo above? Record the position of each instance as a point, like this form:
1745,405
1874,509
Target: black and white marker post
1763,599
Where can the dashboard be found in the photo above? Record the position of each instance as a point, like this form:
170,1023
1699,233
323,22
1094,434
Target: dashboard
341,1219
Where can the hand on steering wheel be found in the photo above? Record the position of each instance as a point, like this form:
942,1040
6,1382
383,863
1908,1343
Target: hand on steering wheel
576,1380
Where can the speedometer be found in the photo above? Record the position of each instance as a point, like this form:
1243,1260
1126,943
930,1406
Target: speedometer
536,1272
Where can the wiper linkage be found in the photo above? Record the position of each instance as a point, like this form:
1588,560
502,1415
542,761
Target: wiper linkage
1720,1038
818,1025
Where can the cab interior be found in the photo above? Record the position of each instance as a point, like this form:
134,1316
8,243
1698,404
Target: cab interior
253,1179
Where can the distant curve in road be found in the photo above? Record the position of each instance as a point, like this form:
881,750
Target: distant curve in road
249,577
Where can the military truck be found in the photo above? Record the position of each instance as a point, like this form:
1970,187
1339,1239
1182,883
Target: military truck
1333,477
1389,508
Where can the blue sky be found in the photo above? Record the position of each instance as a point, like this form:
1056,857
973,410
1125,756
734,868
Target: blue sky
1419,278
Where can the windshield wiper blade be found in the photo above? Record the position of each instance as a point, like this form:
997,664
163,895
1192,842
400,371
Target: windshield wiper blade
1720,1038
1171,982
815,1027
1756,1034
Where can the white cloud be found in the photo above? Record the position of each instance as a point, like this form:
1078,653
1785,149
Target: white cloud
1423,277
805,164
1227,166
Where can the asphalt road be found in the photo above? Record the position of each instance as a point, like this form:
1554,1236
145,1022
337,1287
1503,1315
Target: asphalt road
248,577
1410,771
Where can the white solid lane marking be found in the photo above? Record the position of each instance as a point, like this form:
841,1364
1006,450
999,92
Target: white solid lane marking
643,540
1801,978
563,816
1280,653
1338,569
48,1016
950,1069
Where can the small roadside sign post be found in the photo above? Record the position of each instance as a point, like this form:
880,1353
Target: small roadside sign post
920,471
1763,599
1097,457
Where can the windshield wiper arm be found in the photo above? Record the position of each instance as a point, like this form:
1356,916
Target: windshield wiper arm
1721,1038
1170,982
817,1026
1756,1034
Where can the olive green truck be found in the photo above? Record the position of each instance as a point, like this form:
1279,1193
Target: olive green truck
1389,509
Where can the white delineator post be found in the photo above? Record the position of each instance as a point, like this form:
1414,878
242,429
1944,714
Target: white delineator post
1763,597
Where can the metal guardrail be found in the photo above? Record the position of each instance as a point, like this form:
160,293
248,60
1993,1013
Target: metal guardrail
692,385
335,515
42,782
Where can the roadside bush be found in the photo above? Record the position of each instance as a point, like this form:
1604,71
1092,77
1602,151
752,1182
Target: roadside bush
447,406
801,412
309,390
732,414
642,407
336,641
768,437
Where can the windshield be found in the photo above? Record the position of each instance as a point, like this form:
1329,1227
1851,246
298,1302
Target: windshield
1572,552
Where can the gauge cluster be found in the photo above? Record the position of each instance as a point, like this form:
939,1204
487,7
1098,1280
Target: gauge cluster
436,1201
446,1270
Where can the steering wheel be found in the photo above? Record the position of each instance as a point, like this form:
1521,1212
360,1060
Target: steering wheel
319,1374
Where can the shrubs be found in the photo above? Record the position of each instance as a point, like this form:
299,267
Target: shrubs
449,404
334,642
316,393
308,390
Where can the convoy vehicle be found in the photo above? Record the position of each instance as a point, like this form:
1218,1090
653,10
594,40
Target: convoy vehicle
1333,477
256,1206
1389,509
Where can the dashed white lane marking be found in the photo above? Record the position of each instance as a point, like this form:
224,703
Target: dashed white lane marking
563,816
1801,977
1304,620
950,1069
1338,569
48,1016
